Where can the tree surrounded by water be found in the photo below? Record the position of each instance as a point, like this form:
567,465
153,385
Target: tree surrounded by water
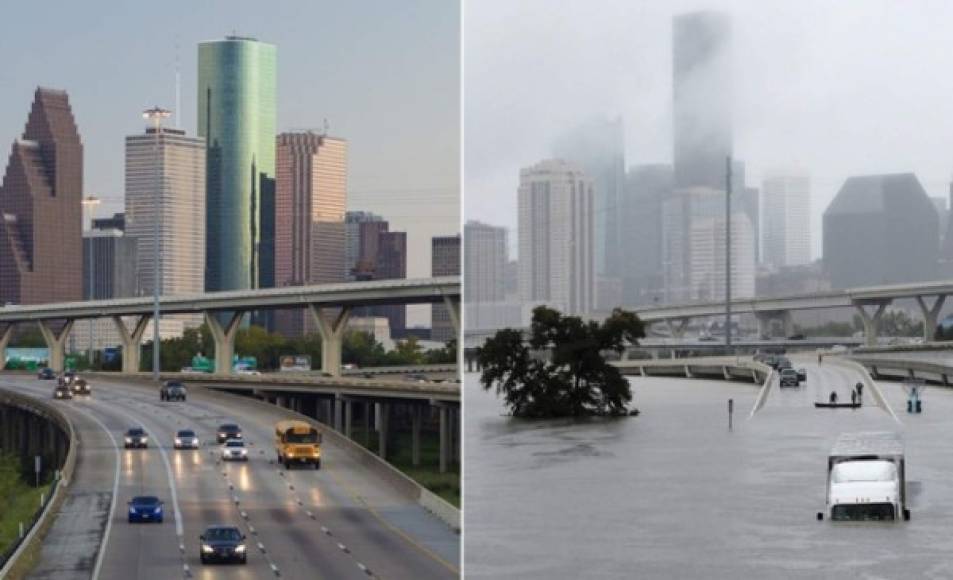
561,370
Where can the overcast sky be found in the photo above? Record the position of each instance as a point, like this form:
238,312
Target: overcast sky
385,74
833,88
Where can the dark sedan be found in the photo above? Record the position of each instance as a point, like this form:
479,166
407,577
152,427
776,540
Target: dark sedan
223,544
228,431
46,374
145,508
136,437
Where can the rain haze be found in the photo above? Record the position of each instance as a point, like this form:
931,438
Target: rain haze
831,89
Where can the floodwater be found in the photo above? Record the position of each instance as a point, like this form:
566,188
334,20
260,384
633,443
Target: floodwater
673,493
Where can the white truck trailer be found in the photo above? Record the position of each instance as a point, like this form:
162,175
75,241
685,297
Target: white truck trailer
866,478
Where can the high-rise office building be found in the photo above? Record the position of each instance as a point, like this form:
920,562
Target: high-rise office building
116,222
41,213
175,164
391,264
353,238
485,256
310,200
702,93
647,188
236,116
880,229
445,261
598,147
109,261
787,219
556,240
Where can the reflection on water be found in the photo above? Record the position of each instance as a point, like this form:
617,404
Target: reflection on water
673,493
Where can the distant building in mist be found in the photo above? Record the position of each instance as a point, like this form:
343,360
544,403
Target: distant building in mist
598,147
702,97
880,229
556,240
445,261
786,199
640,213
485,256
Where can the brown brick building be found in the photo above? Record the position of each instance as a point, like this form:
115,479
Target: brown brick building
41,207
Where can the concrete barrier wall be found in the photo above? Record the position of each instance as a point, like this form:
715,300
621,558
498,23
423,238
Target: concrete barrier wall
18,566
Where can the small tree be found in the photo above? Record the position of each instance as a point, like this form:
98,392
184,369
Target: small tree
576,380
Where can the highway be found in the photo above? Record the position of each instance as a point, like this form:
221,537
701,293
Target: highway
337,522
673,493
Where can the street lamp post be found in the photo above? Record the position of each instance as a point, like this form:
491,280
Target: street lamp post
90,203
156,115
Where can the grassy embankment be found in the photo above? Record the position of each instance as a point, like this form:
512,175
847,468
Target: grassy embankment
20,501
427,474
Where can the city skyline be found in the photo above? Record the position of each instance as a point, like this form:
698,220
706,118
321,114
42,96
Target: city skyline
810,91
404,141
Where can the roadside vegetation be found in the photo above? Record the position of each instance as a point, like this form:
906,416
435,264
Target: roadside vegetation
20,503
561,370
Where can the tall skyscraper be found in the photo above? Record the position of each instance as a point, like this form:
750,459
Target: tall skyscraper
598,147
702,92
647,188
236,116
787,219
485,256
391,264
310,200
179,171
556,241
109,261
880,229
352,228
41,213
445,261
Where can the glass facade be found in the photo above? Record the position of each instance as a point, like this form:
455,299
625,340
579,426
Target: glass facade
236,116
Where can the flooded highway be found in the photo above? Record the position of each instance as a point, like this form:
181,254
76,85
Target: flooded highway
673,493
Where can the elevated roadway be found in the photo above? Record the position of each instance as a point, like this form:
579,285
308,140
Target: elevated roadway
342,521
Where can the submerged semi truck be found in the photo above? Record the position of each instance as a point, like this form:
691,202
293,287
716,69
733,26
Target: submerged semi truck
866,478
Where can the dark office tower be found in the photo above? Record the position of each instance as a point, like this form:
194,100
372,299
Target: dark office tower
880,229
445,261
236,116
41,246
646,189
702,92
310,197
598,147
392,264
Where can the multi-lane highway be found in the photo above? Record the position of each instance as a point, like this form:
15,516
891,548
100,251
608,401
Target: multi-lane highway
339,522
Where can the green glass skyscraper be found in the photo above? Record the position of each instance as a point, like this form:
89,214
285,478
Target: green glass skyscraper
236,116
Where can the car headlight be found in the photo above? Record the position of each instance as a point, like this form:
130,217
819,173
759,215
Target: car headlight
178,441
240,548
221,434
243,451
128,439
207,549
291,454
316,452
195,441
132,510
145,439
158,509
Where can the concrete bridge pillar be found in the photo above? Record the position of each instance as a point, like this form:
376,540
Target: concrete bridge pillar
382,426
678,326
415,421
871,323
338,413
5,335
224,337
444,437
332,337
930,315
453,308
56,342
131,342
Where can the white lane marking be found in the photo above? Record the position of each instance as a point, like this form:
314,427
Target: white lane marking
275,570
261,546
112,506
175,497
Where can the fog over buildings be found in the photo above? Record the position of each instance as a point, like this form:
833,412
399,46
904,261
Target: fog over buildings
649,100
834,89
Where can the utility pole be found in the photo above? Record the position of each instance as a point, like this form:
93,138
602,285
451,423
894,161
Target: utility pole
728,251
156,115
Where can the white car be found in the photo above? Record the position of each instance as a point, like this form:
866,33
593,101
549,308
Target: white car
234,450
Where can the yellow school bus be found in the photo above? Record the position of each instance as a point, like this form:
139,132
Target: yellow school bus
297,442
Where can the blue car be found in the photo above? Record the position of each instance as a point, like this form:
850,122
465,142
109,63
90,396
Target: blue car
145,508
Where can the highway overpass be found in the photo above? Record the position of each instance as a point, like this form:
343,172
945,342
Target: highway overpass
330,304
